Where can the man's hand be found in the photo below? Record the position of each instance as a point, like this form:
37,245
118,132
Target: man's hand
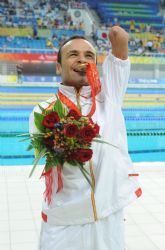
119,40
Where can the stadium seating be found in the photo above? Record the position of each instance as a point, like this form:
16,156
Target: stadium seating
39,45
28,34
142,11
35,27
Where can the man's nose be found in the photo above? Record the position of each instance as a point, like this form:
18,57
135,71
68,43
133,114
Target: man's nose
81,58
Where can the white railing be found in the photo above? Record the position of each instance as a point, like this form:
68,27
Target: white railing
29,50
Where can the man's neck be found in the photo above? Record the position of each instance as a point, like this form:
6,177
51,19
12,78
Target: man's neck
77,88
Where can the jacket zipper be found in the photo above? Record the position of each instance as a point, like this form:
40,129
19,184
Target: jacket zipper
78,99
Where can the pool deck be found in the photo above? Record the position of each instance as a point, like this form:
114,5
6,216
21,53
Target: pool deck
21,200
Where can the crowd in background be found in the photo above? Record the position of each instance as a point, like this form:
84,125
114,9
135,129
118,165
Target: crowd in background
53,14
37,14
137,46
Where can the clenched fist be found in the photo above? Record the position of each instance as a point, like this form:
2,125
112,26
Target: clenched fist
119,40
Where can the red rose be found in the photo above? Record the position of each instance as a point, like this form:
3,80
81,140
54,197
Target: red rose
97,128
74,114
48,142
50,119
87,133
71,130
83,155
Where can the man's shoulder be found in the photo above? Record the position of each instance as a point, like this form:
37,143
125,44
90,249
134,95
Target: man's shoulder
44,104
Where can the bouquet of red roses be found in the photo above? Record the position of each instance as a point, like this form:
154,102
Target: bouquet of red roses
63,136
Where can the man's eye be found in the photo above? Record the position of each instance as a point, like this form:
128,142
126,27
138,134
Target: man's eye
73,54
89,56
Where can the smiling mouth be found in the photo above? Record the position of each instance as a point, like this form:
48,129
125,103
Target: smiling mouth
81,68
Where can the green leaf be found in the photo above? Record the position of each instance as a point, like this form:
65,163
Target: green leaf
30,147
25,139
48,165
30,135
42,109
85,170
101,141
58,107
85,175
27,134
39,156
56,161
73,163
37,145
38,118
33,136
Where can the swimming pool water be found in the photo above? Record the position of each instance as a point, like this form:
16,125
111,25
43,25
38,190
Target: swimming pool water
145,128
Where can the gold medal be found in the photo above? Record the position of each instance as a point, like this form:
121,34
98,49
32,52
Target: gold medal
81,67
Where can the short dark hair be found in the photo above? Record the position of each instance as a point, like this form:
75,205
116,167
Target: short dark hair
59,56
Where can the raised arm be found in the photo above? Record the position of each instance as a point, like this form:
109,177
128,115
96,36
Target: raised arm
119,41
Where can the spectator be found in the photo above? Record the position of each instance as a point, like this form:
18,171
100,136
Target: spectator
132,26
141,27
19,68
49,44
149,46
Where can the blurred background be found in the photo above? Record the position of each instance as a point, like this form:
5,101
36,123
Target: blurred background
30,35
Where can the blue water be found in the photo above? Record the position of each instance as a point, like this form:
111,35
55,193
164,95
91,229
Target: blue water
149,147
145,128
43,89
30,89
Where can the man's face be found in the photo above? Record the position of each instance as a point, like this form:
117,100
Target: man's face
74,53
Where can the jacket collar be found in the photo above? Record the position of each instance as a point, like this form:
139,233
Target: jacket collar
70,91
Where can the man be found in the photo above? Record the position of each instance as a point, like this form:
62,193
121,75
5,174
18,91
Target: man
19,68
77,218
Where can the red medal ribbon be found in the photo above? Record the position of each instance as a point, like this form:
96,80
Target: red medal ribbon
65,100
48,183
94,82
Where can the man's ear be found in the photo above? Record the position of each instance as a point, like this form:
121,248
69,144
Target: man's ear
58,68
